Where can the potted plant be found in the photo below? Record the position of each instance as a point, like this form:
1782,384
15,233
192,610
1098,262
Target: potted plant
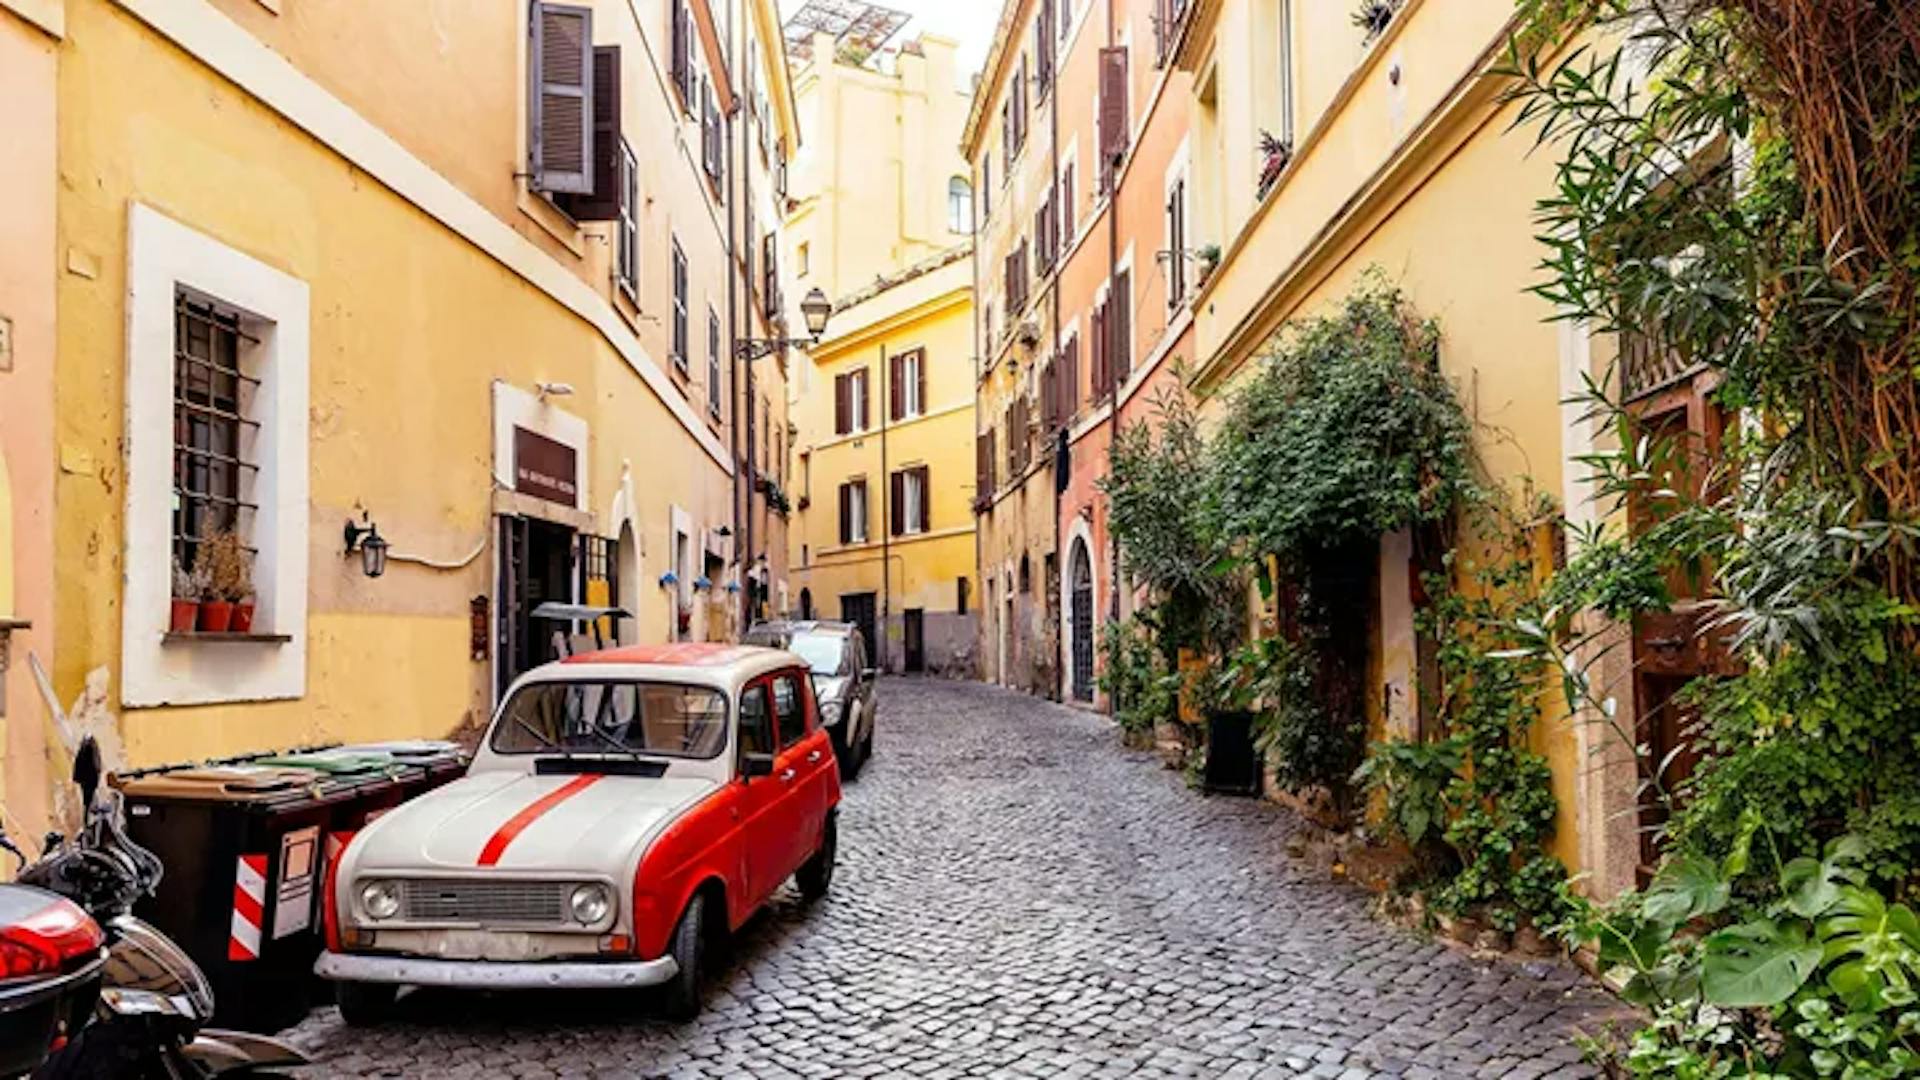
243,596
222,561
1209,260
1373,16
1275,153
187,590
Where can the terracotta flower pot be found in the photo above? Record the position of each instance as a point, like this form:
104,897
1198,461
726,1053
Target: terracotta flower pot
242,617
216,616
186,613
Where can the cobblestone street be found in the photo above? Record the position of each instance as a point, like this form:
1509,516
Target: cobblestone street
1017,895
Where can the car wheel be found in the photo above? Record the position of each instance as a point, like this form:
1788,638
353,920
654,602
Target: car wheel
816,876
365,1004
680,996
846,754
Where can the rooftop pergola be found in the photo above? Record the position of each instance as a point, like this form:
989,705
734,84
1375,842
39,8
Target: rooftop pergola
853,24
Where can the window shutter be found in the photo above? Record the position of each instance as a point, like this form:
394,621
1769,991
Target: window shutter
682,52
1120,318
609,186
1099,343
993,461
1049,395
982,465
560,93
1113,106
1068,383
920,378
842,398
896,398
866,401
897,503
846,513
926,499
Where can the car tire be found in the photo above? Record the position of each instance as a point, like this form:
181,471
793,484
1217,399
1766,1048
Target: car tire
365,1004
816,875
846,754
866,742
680,995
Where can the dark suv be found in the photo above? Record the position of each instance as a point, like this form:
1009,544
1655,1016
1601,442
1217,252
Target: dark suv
836,652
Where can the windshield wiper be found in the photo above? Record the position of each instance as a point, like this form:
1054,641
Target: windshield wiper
623,748
545,741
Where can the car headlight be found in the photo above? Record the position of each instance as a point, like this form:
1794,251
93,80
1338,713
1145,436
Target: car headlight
380,899
590,903
830,713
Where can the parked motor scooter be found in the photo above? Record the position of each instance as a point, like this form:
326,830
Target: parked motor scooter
51,958
154,1000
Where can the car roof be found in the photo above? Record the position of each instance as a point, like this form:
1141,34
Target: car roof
803,626
710,663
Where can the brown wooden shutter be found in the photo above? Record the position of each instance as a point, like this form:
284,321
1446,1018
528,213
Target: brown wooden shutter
846,513
897,503
682,58
982,464
1050,395
609,187
1120,318
926,500
842,405
1099,346
560,99
1113,107
896,397
866,400
993,461
1069,381
920,378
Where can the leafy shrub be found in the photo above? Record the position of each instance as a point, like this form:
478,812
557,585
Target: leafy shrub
1143,691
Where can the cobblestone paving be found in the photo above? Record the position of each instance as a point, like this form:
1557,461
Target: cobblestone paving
1017,896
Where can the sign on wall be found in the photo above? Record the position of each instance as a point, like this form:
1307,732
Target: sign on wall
545,468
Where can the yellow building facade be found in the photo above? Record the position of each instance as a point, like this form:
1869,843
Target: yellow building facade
306,290
1401,161
883,405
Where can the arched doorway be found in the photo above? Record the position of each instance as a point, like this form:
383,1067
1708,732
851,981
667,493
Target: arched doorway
806,603
627,584
1080,614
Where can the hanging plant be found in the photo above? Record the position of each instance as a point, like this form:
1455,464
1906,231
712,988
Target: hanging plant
1373,16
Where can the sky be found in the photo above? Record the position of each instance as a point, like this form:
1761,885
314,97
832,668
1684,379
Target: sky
970,22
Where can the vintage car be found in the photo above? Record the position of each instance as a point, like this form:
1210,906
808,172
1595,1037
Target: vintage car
625,809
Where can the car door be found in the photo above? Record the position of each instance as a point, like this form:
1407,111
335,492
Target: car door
805,755
862,684
765,846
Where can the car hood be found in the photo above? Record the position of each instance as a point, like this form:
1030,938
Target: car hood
516,821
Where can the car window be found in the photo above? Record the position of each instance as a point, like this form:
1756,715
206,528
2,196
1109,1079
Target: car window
788,707
580,717
756,735
823,653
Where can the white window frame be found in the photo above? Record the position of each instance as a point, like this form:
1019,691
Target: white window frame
680,334
857,510
164,256
1179,170
1283,70
960,206
910,403
858,390
912,495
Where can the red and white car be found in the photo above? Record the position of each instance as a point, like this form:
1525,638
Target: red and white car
625,807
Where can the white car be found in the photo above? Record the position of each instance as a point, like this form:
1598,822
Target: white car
625,807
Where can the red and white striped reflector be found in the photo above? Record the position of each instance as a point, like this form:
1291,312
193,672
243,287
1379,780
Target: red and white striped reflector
249,907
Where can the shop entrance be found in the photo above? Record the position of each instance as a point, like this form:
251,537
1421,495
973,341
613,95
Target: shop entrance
536,566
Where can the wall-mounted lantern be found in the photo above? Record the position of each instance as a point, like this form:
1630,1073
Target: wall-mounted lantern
372,547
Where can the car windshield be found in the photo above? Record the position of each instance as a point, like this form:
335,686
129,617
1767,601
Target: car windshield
822,652
577,717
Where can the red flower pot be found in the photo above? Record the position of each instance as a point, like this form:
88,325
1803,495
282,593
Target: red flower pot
185,614
216,616
242,617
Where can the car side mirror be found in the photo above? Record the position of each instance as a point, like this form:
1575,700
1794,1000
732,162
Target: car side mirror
752,765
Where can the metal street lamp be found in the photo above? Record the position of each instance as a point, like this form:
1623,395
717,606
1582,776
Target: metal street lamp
816,309
371,545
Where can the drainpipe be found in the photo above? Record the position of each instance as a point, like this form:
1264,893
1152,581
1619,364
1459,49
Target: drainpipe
1061,213
743,408
1113,409
886,513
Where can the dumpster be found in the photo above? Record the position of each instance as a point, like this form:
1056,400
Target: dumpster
409,768
243,846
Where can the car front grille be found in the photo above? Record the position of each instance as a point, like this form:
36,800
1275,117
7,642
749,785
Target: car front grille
531,903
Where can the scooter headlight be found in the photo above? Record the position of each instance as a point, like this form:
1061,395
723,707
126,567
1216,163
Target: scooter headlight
380,899
590,904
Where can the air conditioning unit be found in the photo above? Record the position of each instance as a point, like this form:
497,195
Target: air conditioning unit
1029,332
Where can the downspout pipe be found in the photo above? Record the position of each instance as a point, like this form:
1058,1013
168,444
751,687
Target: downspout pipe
1113,408
885,404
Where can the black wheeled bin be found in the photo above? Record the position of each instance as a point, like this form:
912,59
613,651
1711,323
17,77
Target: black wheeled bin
399,769
244,847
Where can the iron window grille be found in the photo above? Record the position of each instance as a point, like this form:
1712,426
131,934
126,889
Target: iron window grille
212,463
